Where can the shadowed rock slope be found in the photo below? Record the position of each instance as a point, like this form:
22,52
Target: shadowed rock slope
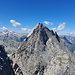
5,67
43,53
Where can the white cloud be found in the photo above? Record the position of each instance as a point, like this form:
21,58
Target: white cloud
61,26
4,28
15,23
71,33
48,23
27,30
54,29
24,29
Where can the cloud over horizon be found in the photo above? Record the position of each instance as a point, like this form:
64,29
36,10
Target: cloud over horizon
27,30
48,23
15,23
60,27
3,28
71,33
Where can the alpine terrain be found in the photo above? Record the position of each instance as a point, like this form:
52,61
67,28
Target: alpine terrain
10,40
43,53
69,42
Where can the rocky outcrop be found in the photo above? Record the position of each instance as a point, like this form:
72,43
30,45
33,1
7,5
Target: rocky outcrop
43,53
5,67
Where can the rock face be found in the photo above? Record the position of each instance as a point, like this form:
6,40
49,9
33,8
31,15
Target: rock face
43,53
5,68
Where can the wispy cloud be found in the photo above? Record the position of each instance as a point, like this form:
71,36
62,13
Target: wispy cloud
71,33
15,23
4,28
54,29
60,27
27,30
48,23
24,29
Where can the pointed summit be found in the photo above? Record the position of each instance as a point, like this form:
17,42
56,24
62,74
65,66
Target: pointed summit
44,53
44,32
38,26
41,34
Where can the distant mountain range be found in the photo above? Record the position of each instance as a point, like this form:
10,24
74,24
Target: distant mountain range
69,42
11,40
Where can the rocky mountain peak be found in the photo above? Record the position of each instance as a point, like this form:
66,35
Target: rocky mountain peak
43,53
42,34
38,26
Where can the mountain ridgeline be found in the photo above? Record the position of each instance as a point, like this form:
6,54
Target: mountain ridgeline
43,53
69,42
11,40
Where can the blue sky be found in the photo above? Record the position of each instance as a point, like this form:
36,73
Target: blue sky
23,15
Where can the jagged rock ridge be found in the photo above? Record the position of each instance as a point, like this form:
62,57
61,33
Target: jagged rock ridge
43,53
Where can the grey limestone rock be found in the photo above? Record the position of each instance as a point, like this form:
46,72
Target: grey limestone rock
43,53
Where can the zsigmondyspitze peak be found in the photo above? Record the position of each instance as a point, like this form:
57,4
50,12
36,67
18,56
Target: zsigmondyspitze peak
39,25
43,53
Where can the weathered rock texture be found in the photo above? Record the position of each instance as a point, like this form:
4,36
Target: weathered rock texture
43,53
5,67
